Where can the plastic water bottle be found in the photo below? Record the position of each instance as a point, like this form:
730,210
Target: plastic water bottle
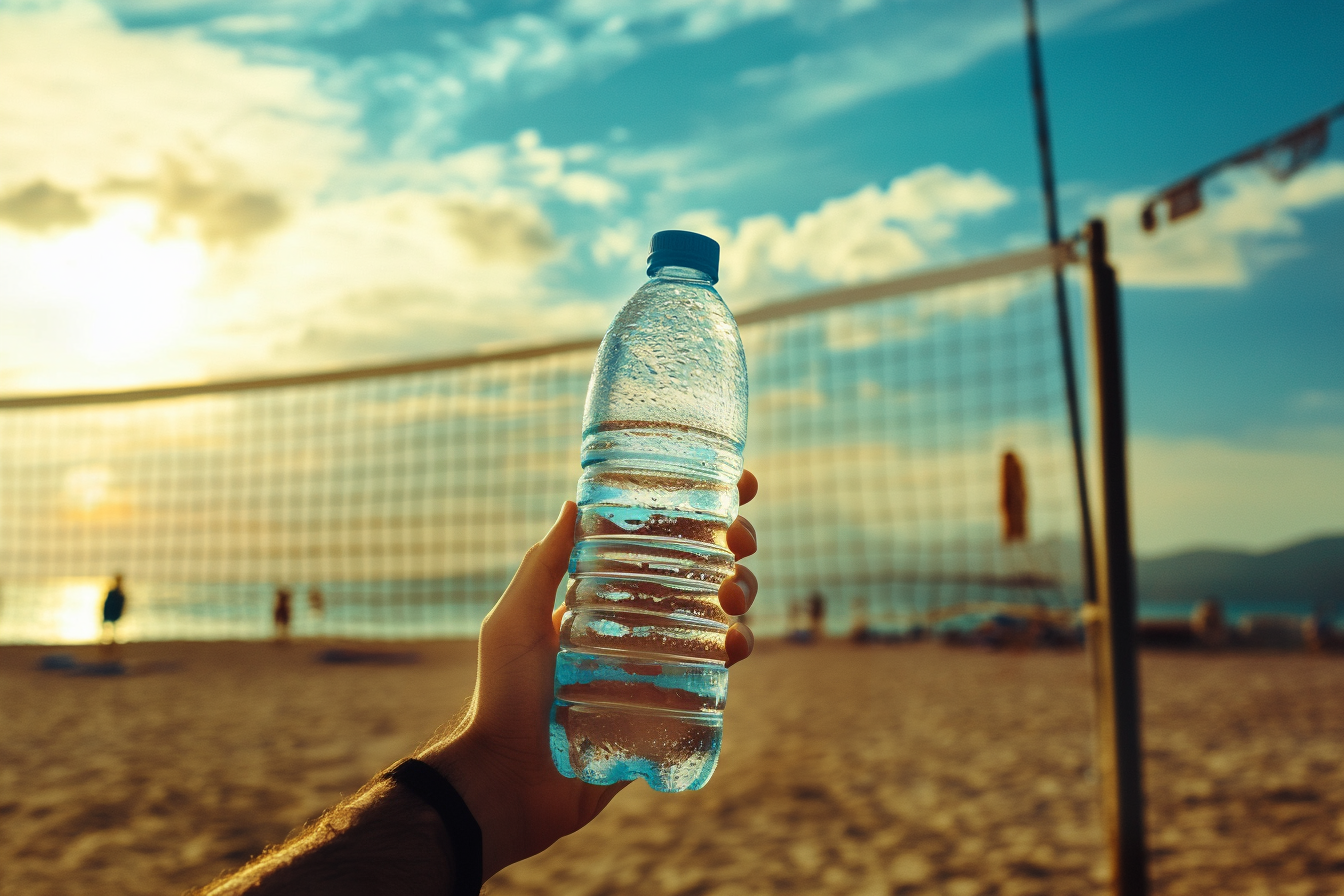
641,678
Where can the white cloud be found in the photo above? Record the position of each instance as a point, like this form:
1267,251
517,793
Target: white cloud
254,23
921,43
1319,400
259,16
690,20
869,234
620,243
423,99
125,155
171,210
918,44
1249,222
1201,492
524,164
98,297
85,100
406,273
506,232
587,188
533,51
1141,13
389,276
545,167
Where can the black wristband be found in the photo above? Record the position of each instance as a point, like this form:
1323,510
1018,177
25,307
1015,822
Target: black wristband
464,834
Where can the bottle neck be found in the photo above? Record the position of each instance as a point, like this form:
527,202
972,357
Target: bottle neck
675,272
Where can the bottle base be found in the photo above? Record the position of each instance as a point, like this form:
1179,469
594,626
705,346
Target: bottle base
679,750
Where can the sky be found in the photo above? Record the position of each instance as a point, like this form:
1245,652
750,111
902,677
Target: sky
192,189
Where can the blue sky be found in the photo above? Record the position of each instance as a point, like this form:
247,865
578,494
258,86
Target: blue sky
288,185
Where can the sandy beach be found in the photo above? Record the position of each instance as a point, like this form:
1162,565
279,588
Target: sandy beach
846,770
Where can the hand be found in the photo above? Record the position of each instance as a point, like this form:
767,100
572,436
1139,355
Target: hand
499,755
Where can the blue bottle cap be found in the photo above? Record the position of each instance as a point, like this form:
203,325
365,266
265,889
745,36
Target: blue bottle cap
684,249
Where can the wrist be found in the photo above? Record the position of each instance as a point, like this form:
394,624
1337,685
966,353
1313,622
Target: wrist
469,767
391,802
383,839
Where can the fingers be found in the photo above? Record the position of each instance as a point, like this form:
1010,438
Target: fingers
742,538
738,591
747,487
543,566
739,643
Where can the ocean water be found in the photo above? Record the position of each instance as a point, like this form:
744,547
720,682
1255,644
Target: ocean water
1235,611
69,611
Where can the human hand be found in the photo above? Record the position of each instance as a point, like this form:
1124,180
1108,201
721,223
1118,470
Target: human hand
499,757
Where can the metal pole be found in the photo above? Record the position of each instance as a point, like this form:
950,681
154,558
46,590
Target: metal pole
1111,621
1061,303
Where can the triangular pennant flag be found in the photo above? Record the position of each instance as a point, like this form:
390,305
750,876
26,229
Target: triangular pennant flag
1148,217
1291,152
1184,199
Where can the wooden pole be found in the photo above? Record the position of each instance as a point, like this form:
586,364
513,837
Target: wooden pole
1036,73
1111,620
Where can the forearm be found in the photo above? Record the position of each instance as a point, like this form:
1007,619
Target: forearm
497,759
382,840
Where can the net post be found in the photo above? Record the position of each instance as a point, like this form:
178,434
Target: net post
1111,626
1036,73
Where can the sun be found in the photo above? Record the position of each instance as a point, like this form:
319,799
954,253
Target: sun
123,288
75,616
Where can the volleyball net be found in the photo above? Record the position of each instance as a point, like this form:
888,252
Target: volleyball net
911,438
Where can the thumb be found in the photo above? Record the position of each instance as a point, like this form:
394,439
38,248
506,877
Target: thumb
544,565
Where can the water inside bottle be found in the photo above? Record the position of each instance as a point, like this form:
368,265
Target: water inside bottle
641,678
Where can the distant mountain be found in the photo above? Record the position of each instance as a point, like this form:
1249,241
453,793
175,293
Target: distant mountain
1308,571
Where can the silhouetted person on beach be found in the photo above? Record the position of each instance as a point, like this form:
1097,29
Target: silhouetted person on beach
114,607
485,794
315,600
1318,629
796,623
859,631
1208,622
816,614
284,599
1013,498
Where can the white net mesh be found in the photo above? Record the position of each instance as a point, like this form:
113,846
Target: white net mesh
877,429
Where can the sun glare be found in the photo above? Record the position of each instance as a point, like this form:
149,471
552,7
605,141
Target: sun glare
125,287
87,488
77,614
